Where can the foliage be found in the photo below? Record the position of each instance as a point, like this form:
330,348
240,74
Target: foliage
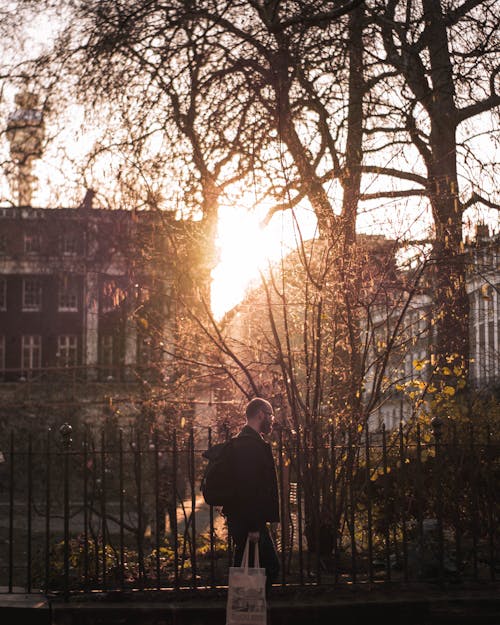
125,567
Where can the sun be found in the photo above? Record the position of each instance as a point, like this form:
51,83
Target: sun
246,247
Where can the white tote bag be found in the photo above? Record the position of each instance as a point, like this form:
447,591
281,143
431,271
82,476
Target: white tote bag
246,596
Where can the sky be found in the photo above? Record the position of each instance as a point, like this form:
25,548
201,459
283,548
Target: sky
245,247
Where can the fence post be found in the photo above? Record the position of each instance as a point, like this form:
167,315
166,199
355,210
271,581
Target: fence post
457,494
212,529
350,503
402,486
369,509
474,500
103,509
11,514
65,431
29,511
122,509
316,512
156,453
299,505
437,425
282,506
140,529
387,533
47,509
175,461
490,497
86,471
192,471
335,511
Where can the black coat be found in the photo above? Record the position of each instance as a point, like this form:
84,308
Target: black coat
256,501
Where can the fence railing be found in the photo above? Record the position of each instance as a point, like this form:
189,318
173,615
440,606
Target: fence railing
118,510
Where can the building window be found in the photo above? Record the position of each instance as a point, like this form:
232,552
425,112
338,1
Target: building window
69,244
111,296
106,355
31,356
67,350
32,294
32,243
3,243
3,294
68,293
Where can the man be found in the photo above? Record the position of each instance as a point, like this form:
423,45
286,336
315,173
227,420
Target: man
256,503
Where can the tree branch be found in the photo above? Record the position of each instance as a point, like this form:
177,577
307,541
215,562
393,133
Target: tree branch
317,20
476,198
394,173
393,194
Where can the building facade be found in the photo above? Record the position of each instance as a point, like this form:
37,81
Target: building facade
483,288
86,290
395,307
412,359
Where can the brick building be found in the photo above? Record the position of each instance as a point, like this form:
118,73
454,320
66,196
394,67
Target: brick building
90,291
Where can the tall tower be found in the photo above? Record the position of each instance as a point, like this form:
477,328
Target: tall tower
25,132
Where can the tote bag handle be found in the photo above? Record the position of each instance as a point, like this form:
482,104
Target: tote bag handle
256,561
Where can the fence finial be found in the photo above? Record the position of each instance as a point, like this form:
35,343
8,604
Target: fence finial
437,427
65,431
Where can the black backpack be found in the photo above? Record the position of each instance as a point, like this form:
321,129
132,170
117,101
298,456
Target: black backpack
218,484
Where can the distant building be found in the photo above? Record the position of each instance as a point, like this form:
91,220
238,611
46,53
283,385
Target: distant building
89,291
483,288
410,360
395,307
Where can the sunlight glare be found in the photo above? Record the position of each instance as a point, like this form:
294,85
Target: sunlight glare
246,248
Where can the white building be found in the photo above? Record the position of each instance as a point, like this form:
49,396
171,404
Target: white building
410,360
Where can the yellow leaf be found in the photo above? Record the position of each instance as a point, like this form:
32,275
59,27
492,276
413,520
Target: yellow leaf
449,390
446,371
183,422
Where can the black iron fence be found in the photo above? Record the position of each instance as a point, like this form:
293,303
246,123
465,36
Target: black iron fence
121,509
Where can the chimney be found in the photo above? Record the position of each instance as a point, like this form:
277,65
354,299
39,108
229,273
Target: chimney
482,233
88,201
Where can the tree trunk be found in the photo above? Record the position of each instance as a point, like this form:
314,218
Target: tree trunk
309,180
351,182
451,303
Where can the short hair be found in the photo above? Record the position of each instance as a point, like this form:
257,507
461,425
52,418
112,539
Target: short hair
256,404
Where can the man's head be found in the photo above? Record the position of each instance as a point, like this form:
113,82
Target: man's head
259,413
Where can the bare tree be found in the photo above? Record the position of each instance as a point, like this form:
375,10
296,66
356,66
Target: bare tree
301,98
445,56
